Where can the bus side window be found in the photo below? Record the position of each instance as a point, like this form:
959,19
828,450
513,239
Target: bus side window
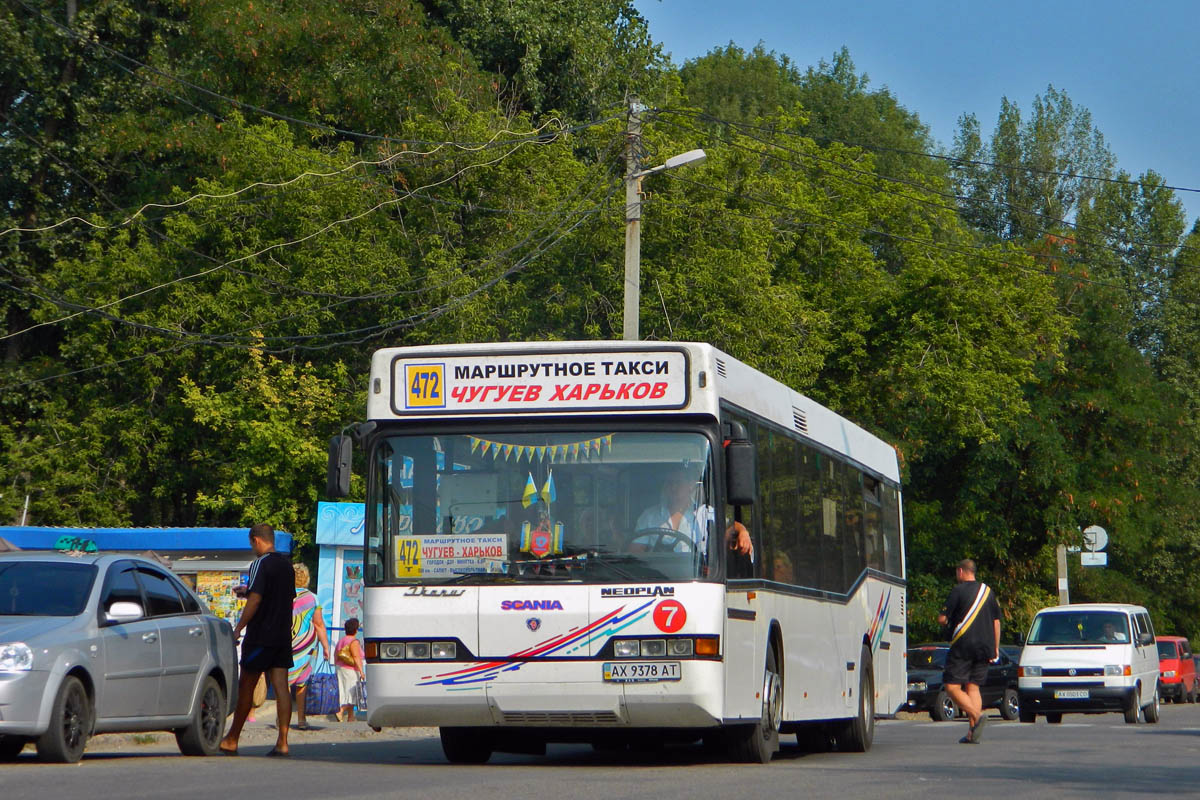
892,546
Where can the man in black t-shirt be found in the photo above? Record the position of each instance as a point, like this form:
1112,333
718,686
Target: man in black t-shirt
973,617
267,620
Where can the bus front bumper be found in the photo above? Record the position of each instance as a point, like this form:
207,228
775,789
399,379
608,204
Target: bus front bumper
553,694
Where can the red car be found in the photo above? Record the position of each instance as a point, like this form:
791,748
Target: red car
1177,671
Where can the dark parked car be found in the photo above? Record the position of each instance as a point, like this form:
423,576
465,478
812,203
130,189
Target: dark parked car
926,663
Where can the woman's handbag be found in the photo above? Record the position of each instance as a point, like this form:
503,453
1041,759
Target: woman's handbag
322,694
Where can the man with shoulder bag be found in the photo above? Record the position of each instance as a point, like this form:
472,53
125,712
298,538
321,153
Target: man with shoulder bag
972,617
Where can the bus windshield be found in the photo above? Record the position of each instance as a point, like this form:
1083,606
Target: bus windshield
593,506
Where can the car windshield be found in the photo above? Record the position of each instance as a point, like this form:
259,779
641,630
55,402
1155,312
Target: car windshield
44,588
1167,650
927,658
506,506
1080,627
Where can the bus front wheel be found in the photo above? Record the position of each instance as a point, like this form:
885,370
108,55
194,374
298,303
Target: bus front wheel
856,735
466,745
757,743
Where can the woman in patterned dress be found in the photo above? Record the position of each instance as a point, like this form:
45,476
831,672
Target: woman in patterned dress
308,628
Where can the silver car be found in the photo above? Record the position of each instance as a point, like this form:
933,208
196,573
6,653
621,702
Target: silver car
107,643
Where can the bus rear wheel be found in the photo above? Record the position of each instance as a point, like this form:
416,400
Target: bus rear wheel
757,743
466,745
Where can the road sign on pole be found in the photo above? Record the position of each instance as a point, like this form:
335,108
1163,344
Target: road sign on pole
1095,538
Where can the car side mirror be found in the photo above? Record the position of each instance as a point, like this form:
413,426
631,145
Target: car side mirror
1145,637
124,611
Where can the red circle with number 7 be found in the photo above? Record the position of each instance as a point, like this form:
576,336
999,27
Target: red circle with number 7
669,616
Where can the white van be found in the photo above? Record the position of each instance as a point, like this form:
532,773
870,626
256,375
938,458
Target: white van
1089,658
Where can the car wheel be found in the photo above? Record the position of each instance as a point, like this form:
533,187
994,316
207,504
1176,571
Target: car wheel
944,708
1150,712
203,735
1054,718
70,724
756,744
1010,706
857,735
466,745
11,747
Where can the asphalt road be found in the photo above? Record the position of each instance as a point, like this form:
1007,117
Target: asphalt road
1085,756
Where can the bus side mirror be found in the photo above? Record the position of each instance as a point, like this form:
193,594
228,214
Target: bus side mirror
739,466
337,475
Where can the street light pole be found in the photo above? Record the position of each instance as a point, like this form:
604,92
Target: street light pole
633,221
633,213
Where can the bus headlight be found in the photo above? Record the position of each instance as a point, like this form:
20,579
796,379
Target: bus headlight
654,647
416,651
626,648
679,647
392,651
444,650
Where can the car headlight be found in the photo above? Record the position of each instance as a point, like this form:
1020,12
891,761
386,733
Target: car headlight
918,686
1170,673
1117,669
1029,672
15,657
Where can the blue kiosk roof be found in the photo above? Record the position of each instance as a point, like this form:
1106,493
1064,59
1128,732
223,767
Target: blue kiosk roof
157,539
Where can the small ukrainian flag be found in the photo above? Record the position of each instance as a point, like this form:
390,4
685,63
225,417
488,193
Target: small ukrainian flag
549,495
529,496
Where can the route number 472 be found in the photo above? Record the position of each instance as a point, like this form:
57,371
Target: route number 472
426,385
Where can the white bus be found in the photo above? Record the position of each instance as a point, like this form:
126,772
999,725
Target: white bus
535,572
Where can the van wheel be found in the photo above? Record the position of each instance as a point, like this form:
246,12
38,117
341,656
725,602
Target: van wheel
70,724
856,735
1133,707
1151,711
944,708
757,743
466,745
1010,706
1054,718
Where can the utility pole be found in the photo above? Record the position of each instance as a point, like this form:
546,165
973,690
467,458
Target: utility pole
633,220
1064,591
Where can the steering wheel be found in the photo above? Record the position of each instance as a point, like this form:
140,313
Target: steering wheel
668,539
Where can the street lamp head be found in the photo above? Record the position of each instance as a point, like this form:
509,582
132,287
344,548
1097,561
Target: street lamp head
683,159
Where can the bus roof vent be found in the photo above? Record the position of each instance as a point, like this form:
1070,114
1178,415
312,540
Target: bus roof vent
721,368
800,421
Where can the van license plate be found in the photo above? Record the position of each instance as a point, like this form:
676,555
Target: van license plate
1071,694
638,671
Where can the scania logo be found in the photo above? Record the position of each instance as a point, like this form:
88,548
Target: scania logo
531,605
421,591
533,623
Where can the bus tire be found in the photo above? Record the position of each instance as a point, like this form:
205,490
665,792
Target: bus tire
757,743
466,745
857,734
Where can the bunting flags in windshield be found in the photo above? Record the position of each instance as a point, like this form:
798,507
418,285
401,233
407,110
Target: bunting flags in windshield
571,451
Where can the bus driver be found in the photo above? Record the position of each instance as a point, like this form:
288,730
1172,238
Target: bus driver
677,512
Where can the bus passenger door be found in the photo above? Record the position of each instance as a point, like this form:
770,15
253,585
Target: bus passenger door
744,656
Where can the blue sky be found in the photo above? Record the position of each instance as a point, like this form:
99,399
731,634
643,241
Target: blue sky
1135,66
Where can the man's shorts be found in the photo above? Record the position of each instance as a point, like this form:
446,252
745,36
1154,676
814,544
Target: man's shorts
961,669
264,657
